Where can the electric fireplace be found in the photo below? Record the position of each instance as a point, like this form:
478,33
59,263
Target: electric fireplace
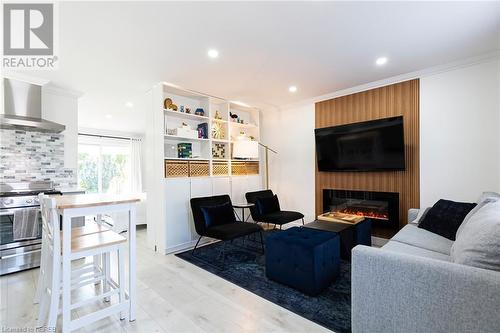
381,207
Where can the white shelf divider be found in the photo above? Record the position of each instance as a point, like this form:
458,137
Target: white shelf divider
175,137
183,115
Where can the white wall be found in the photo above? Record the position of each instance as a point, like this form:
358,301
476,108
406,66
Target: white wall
291,132
62,107
459,133
459,138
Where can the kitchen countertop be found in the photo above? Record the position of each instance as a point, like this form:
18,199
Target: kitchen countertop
73,190
90,200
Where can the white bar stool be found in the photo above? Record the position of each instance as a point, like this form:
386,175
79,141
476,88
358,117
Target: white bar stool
93,240
89,229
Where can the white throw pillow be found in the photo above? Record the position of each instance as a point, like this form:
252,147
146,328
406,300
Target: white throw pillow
486,195
478,243
486,198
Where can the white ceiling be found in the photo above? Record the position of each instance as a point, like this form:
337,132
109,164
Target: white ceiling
115,51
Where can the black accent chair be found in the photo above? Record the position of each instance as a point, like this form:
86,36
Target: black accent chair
223,232
277,218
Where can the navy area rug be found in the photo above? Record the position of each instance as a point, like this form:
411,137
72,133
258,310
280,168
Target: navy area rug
245,267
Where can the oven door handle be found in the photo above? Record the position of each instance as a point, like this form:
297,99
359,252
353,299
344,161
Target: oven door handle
19,254
11,211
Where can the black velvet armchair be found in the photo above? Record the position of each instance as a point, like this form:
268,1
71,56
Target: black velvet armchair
226,230
279,217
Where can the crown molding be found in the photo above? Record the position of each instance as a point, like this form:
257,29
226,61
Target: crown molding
488,57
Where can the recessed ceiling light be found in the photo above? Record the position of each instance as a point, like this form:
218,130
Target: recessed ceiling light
108,116
381,61
292,89
213,53
129,105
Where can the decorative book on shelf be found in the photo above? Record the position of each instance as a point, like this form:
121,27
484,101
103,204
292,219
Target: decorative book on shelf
219,150
185,150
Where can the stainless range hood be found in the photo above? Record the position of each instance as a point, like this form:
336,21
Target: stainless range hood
23,108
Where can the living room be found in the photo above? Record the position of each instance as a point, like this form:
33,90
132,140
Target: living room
250,166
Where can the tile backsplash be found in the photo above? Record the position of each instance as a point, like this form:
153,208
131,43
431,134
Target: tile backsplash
29,156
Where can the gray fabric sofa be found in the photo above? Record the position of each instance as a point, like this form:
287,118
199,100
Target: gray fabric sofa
411,285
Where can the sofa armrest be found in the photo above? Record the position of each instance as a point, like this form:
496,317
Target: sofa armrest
395,292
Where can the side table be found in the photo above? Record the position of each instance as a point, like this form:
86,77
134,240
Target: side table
242,206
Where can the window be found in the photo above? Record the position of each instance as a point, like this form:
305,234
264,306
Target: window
104,165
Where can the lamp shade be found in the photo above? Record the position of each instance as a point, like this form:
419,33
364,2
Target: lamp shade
245,149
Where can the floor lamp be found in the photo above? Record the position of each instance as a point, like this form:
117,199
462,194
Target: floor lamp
250,149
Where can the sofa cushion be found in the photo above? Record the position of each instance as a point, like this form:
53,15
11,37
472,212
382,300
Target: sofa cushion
281,217
415,236
478,243
485,195
395,246
486,198
232,230
445,217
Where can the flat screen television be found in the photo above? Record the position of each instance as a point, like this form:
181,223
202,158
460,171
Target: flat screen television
367,146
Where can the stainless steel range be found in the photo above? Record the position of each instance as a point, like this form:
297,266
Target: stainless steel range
20,224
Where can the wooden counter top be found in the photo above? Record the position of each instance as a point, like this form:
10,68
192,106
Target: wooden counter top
92,200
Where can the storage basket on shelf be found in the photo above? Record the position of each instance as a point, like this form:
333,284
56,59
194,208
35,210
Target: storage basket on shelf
220,168
176,168
252,168
199,169
238,168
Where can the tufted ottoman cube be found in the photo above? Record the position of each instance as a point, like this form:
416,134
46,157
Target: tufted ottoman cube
302,258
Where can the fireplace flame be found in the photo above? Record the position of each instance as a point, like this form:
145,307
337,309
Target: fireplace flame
368,214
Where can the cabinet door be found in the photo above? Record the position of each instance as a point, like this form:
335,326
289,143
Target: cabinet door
221,186
178,228
254,183
239,186
200,187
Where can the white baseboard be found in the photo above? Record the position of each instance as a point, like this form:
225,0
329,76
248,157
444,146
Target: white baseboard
188,245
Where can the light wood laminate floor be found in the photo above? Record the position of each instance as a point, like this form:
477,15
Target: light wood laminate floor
173,296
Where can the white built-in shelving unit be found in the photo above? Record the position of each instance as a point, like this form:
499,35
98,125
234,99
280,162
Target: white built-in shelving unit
170,225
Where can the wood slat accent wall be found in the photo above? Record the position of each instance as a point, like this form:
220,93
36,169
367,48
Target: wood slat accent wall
393,100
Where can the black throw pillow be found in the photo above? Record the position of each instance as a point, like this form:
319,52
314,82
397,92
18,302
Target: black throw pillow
445,217
268,205
218,215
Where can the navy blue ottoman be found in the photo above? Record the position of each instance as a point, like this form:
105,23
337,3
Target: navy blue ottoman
302,258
